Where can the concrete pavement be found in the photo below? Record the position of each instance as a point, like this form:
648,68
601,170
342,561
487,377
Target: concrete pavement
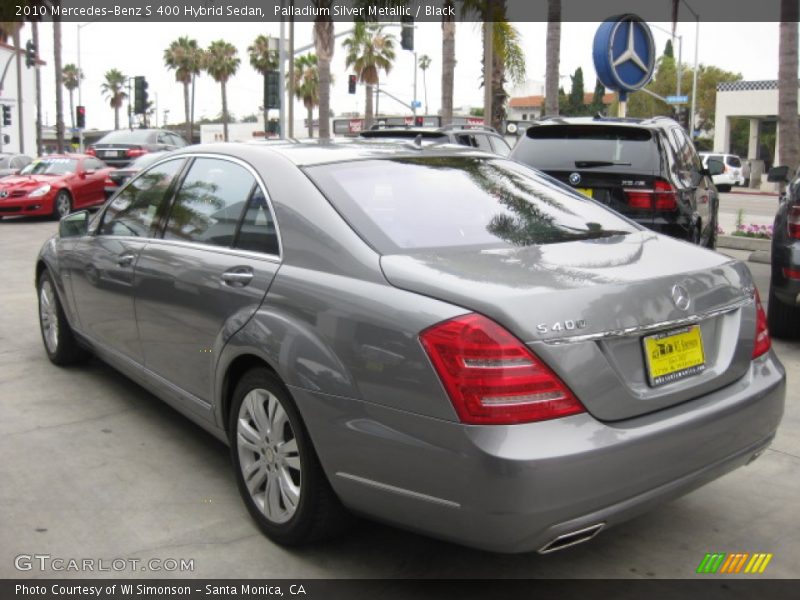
95,467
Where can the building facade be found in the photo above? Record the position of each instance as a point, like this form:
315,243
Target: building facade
20,96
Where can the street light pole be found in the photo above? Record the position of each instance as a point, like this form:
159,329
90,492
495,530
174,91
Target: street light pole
414,104
80,90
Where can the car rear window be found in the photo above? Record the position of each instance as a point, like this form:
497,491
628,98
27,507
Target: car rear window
126,136
404,204
604,147
733,161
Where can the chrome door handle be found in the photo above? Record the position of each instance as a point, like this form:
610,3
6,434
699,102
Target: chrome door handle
239,277
125,260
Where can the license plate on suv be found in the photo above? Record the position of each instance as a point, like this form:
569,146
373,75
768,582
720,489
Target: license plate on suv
674,355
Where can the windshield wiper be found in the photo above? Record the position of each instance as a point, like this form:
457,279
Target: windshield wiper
588,164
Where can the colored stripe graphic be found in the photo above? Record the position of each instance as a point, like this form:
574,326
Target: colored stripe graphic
734,563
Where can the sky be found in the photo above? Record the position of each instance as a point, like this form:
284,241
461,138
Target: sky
137,49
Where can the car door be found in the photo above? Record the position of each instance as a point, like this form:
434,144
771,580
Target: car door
699,189
208,274
101,266
94,177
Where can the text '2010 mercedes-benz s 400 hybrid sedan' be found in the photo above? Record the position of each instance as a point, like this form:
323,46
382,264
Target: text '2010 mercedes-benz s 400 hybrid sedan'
433,337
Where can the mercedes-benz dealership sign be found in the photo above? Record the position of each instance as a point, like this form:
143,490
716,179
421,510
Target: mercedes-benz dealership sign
624,54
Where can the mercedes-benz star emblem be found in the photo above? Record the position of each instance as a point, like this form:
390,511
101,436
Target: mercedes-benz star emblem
4,194
631,54
680,296
575,178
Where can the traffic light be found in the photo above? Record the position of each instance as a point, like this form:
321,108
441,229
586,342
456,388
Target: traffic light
351,84
271,93
30,54
407,33
80,117
140,95
6,115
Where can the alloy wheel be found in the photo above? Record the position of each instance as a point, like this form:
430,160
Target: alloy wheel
48,316
268,455
62,204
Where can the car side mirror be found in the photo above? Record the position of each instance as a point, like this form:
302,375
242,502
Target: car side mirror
778,174
715,167
74,225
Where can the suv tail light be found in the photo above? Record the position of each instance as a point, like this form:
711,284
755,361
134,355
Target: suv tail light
794,222
763,341
135,152
661,197
493,378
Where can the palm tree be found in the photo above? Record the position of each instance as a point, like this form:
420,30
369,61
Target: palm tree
448,62
306,85
324,47
71,77
553,57
368,51
788,134
222,64
59,83
114,89
186,58
262,59
424,63
35,35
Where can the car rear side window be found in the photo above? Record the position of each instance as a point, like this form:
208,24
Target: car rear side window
733,161
565,147
500,146
134,210
449,201
257,232
210,202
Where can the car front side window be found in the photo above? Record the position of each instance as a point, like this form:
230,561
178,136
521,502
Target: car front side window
133,212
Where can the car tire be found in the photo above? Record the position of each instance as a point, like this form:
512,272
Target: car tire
783,319
62,205
276,467
59,341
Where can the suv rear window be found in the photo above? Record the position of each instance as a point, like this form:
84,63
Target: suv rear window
451,201
567,147
733,161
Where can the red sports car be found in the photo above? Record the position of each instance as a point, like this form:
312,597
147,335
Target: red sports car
54,185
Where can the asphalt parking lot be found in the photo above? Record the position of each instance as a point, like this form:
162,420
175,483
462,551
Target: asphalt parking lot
95,467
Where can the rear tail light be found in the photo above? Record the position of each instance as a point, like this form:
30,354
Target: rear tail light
763,341
135,152
91,152
493,378
661,197
791,273
794,222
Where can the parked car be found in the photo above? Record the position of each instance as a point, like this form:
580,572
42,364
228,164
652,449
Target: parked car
54,185
119,148
118,177
435,337
733,172
475,136
783,308
647,170
12,164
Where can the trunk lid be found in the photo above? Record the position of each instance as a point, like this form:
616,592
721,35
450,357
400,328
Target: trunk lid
584,308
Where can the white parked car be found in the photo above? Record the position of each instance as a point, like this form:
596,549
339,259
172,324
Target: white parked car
734,173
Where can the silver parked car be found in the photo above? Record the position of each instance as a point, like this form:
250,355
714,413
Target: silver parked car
435,337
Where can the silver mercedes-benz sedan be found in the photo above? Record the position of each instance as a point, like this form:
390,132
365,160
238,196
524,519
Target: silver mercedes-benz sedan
431,336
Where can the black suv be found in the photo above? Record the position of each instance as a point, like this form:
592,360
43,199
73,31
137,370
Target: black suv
476,136
783,308
647,170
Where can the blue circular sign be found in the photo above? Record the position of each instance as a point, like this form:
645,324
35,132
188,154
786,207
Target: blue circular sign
624,53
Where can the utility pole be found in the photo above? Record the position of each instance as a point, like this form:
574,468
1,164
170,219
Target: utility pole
35,28
290,99
488,59
18,51
282,78
414,105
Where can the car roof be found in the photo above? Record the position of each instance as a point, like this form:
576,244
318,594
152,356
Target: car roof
67,155
657,122
318,152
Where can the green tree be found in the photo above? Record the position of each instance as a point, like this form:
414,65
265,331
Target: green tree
424,63
668,49
263,60
114,90
306,85
369,51
71,77
222,63
597,106
576,94
186,58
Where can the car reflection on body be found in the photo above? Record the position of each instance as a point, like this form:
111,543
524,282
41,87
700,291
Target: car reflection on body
435,337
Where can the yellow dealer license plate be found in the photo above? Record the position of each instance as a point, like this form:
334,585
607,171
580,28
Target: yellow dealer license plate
674,355
585,191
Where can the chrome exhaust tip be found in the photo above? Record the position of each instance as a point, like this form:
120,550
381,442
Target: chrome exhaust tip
572,538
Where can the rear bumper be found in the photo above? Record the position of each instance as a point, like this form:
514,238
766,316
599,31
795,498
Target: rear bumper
516,488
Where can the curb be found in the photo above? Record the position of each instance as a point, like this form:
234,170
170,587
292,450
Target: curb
738,242
752,192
